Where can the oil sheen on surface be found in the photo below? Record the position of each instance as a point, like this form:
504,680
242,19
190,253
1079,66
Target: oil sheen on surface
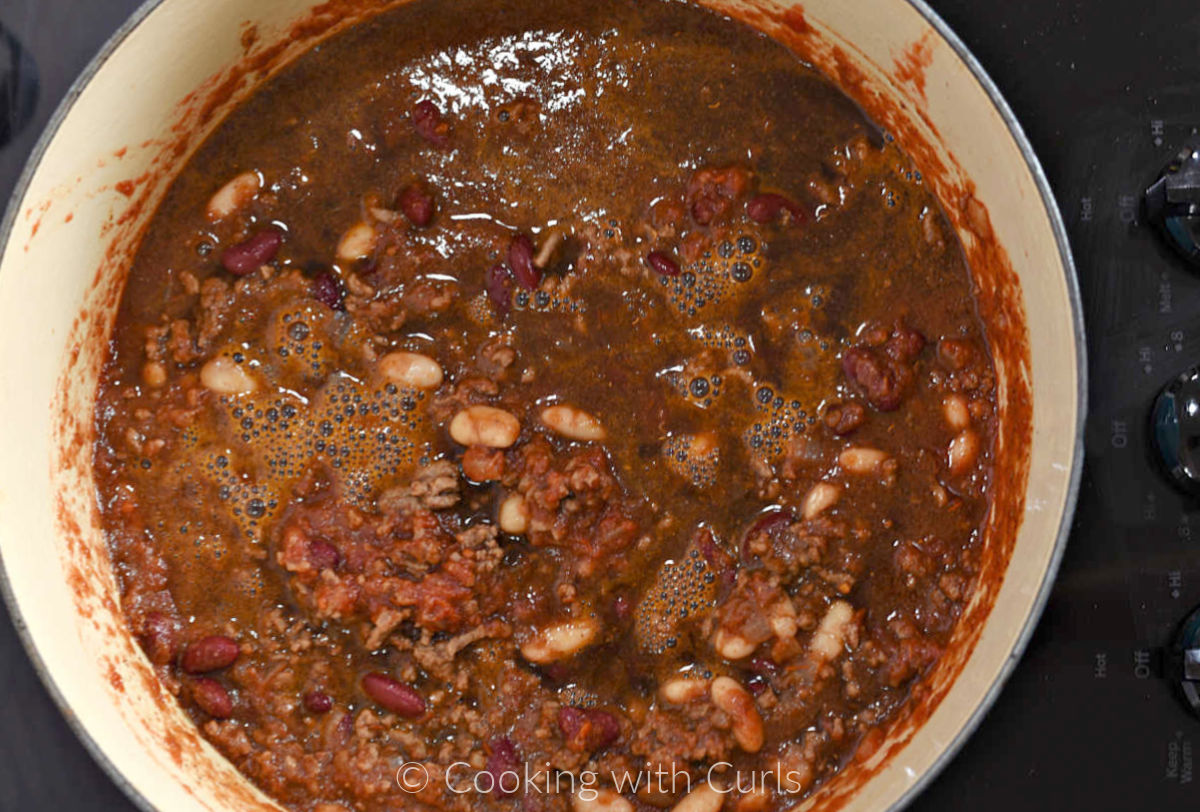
728,509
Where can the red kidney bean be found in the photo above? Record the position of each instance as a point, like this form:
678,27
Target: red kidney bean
757,684
344,731
586,731
327,289
770,519
520,260
209,654
502,759
429,123
394,695
318,702
212,698
570,721
557,673
368,271
250,254
498,281
763,667
884,384
768,207
417,205
323,555
662,263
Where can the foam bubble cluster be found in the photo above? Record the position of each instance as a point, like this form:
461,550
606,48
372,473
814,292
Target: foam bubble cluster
263,454
735,345
696,384
718,274
298,340
541,301
480,310
684,589
368,436
778,418
695,457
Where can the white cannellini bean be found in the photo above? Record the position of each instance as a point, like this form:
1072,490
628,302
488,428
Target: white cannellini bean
682,690
235,194
703,798
412,370
223,375
820,498
560,640
549,246
513,515
862,460
755,800
738,705
599,800
783,619
963,450
829,640
484,425
381,215
358,242
572,423
956,412
732,646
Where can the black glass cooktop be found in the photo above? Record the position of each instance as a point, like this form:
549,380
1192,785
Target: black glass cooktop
1109,93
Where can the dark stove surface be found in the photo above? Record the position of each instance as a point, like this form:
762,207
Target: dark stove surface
1108,91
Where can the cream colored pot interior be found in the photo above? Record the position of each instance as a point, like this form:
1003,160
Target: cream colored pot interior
133,124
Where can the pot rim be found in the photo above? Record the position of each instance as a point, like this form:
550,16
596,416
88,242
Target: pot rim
6,226
1049,203
1074,299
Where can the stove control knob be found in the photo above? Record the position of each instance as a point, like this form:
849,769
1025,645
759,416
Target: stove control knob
1184,660
1175,429
1173,202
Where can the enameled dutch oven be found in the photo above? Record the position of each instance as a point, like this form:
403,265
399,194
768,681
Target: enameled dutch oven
165,80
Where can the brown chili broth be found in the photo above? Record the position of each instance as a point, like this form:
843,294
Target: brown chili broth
633,98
